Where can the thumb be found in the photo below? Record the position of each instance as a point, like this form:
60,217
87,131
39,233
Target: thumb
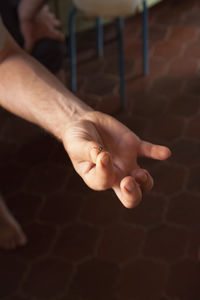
150,150
56,35
92,163
81,149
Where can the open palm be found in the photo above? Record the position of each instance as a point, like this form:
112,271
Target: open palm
115,166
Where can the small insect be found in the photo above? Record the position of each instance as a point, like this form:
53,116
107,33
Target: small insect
100,148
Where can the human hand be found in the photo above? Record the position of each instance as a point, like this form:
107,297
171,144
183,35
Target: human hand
43,25
115,166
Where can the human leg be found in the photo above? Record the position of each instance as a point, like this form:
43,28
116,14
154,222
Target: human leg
11,234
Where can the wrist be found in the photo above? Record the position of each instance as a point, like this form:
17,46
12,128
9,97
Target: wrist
73,112
24,13
28,9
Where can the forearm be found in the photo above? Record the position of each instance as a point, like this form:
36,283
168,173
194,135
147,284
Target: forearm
31,92
28,8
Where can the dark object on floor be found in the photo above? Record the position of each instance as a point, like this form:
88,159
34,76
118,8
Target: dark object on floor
50,53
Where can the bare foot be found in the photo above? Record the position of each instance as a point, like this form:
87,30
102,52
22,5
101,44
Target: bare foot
11,234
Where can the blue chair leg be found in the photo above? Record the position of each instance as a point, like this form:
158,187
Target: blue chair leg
72,50
120,23
145,39
99,37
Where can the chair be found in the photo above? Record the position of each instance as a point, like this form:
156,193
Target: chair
79,4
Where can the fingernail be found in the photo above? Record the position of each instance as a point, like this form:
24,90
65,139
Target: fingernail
129,186
141,177
165,153
105,160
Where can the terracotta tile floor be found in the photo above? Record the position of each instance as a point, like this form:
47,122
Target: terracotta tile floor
83,245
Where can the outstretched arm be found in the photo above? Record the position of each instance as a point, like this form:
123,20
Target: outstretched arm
103,151
30,91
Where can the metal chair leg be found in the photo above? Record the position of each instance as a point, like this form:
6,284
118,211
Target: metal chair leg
72,50
119,22
145,39
99,37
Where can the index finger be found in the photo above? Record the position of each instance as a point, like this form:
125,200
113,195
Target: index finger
150,150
